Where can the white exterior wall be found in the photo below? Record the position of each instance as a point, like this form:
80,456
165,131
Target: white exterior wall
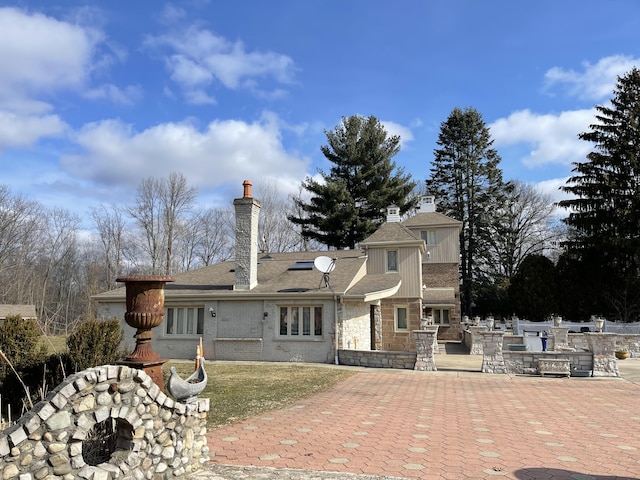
356,330
239,331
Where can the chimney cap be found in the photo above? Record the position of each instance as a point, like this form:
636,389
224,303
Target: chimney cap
247,188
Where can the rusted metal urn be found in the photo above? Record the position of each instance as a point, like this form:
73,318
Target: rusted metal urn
145,310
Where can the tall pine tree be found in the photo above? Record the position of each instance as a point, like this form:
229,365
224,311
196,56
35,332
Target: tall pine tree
467,183
351,200
605,212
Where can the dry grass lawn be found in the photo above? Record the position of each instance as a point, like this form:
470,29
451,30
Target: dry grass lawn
54,344
238,391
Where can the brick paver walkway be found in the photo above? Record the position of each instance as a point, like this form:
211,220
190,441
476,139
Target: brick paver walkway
454,426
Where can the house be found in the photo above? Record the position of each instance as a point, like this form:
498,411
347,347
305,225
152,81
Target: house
289,306
26,312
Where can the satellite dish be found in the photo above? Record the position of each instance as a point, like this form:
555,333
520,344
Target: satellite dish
324,264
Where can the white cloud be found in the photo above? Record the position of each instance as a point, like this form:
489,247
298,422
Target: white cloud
226,151
198,57
392,128
127,96
23,130
41,56
39,53
553,138
595,82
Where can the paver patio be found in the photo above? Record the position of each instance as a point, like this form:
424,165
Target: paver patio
449,425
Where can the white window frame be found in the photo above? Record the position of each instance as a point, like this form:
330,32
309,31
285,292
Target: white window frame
437,318
184,321
388,263
301,322
396,317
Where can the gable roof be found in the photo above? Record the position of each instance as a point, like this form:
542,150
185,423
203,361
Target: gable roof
25,311
431,219
392,233
276,279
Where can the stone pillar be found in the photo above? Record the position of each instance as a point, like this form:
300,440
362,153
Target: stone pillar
492,359
425,360
377,321
560,337
476,341
603,346
434,329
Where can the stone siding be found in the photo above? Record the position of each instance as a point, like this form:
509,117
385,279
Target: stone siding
393,340
154,437
356,332
440,275
377,359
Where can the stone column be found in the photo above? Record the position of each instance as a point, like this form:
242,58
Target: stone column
434,329
492,359
603,346
377,321
425,360
560,337
476,341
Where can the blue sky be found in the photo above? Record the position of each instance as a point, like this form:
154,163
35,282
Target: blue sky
96,96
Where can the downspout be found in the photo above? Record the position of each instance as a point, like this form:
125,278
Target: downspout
335,316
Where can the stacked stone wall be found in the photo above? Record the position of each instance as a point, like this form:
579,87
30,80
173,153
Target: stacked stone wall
377,359
107,422
519,363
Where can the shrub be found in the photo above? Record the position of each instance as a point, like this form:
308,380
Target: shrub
19,352
19,339
95,343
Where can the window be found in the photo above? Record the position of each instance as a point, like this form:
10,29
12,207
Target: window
402,318
302,266
429,236
392,260
300,321
184,320
440,316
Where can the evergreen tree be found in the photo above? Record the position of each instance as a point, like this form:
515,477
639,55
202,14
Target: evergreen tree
351,200
605,213
533,289
467,182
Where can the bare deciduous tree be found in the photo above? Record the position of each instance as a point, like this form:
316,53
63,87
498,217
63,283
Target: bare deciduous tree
276,232
111,232
177,199
160,205
527,227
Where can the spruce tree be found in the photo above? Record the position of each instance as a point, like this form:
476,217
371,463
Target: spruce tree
605,211
466,179
351,200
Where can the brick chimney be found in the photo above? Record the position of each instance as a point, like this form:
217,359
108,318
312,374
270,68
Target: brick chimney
247,216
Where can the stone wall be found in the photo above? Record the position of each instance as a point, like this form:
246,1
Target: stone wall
377,359
105,423
518,363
